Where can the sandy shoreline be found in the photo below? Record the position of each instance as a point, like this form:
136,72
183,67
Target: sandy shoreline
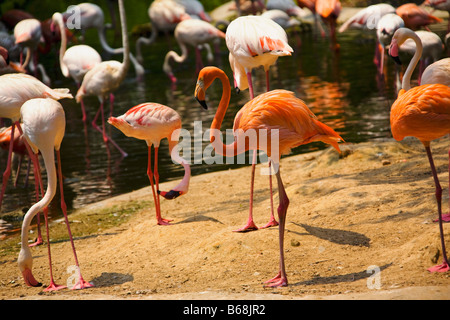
373,206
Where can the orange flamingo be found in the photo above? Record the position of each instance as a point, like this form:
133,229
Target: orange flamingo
153,122
329,10
44,125
277,111
422,112
19,148
415,17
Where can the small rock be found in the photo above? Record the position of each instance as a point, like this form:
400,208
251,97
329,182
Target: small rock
385,162
295,243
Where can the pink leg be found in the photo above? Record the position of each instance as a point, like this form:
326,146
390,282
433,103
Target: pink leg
267,81
445,265
106,138
111,104
83,109
250,225
151,176
280,280
446,217
81,284
250,84
272,222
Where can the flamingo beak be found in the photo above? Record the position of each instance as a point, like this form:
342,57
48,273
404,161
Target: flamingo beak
397,60
202,103
172,194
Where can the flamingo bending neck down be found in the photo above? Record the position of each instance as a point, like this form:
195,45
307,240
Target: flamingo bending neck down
277,110
105,78
153,122
44,124
422,112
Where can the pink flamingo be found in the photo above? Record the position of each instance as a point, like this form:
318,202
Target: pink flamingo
153,122
415,17
437,72
422,112
367,17
386,27
195,33
15,89
6,65
329,11
164,15
76,61
28,35
44,124
106,77
254,41
274,110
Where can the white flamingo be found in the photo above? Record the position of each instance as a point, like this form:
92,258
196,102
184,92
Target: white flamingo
386,27
195,33
367,17
44,125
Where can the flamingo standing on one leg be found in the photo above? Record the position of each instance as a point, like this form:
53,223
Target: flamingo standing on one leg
422,112
415,17
106,77
254,41
153,122
191,32
76,61
276,111
15,89
44,124
329,11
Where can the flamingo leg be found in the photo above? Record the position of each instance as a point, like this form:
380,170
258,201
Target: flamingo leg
151,176
83,109
81,284
272,222
267,81
280,280
198,60
445,265
18,171
250,84
106,138
52,286
7,171
250,225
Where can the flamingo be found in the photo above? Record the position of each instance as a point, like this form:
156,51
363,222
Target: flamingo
282,18
6,65
164,15
422,112
153,122
277,110
15,89
254,41
191,32
329,11
367,17
106,77
76,61
428,44
415,17
28,35
386,27
437,72
44,124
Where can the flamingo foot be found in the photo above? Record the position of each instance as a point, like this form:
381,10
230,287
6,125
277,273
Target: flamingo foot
250,226
271,223
54,287
277,281
82,284
29,279
444,267
445,218
164,222
38,242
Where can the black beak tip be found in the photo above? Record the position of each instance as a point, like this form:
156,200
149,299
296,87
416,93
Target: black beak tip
172,194
237,90
202,103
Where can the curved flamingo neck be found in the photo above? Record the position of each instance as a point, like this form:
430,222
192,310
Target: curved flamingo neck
176,57
219,146
62,51
125,42
406,82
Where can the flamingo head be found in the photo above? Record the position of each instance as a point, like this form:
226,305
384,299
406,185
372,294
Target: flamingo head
205,78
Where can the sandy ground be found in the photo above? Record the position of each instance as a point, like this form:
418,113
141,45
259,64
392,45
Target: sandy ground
359,226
